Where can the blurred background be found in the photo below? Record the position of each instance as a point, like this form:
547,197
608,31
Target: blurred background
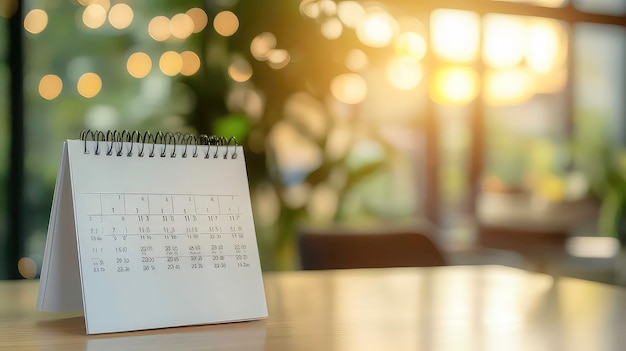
499,125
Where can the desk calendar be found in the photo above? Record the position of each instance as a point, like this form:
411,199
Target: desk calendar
151,232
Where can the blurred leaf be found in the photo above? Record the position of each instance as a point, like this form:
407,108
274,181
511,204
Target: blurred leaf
236,125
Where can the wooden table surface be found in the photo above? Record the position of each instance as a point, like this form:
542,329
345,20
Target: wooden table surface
442,308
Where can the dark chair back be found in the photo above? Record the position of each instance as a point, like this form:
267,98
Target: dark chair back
327,250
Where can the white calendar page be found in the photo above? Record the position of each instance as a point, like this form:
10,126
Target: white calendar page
164,241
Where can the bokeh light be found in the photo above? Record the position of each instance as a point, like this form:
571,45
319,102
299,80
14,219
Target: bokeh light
507,86
331,28
50,86
240,70
121,16
36,21
455,34
278,58
454,85
159,28
546,45
89,85
94,16
199,18
171,63
191,63
504,40
181,26
404,74
27,267
356,60
310,8
106,4
349,88
351,13
376,29
226,23
262,45
139,64
410,46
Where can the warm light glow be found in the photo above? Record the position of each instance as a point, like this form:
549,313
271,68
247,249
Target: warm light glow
455,34
50,86
504,42
27,267
331,28
181,26
403,74
454,86
171,63
139,64
159,28
89,85
546,45
410,46
262,45
226,23
376,29
349,88
121,16
191,63
592,247
310,8
278,58
328,7
94,16
106,4
356,60
507,87
36,21
240,70
199,18
350,13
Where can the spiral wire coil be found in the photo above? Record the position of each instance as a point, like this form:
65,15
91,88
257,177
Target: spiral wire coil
158,144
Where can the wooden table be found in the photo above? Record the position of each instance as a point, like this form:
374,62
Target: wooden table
442,308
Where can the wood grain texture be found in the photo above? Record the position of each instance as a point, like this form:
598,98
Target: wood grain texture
437,308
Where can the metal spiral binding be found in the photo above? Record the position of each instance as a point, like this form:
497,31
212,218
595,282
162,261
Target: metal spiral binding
162,144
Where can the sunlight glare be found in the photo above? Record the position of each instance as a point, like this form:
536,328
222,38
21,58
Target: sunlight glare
507,87
454,86
546,45
504,41
404,74
376,29
455,34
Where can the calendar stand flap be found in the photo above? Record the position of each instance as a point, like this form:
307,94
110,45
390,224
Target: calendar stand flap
59,286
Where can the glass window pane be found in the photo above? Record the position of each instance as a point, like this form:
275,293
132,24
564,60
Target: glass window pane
600,108
609,7
524,97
